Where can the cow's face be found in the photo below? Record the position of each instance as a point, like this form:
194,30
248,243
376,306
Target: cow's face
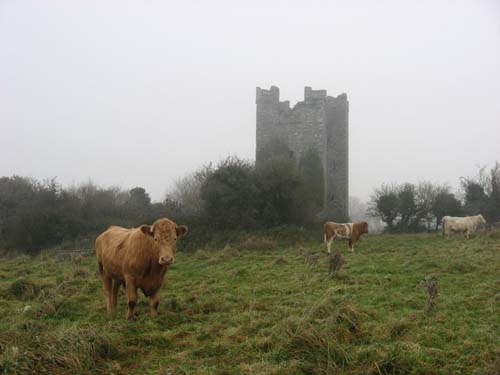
481,219
364,227
165,233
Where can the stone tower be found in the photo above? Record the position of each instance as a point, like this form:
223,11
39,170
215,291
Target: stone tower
321,123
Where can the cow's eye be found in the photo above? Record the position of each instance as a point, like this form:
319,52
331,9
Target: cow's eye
175,238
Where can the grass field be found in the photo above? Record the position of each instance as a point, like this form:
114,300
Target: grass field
259,306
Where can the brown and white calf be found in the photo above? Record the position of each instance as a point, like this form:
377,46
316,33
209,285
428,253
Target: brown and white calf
137,258
344,231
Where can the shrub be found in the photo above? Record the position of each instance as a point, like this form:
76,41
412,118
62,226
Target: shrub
278,183
335,262
229,194
430,286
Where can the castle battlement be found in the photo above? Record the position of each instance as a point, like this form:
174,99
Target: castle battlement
320,123
311,95
272,95
340,100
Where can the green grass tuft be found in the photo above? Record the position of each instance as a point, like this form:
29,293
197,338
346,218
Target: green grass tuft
23,289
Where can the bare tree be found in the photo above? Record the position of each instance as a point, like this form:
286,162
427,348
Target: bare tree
359,211
186,191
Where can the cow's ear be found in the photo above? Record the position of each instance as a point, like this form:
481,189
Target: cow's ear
181,230
147,229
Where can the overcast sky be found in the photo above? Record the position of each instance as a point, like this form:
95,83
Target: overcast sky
135,93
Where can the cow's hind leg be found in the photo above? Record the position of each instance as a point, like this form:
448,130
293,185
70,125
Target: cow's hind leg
131,296
351,245
114,296
154,300
107,285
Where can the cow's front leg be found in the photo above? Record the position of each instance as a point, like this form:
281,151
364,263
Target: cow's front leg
351,246
131,296
329,244
154,300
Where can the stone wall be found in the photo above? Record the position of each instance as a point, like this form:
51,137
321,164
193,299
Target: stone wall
337,157
319,122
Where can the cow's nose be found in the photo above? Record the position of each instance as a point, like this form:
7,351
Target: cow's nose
166,260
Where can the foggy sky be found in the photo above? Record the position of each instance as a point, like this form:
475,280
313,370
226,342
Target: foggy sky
139,93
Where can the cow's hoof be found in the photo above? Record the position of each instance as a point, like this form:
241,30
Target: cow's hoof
131,317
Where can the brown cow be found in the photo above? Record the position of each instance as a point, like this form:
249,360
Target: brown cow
347,231
137,258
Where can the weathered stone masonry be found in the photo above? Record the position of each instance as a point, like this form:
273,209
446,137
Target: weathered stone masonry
319,122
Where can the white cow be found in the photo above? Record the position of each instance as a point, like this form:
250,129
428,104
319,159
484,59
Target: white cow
466,225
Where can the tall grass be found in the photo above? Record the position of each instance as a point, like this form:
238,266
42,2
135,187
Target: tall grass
257,305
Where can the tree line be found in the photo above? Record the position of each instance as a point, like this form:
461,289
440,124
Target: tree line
419,207
237,194
35,214
234,194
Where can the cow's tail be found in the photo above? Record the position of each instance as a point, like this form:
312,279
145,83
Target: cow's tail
442,226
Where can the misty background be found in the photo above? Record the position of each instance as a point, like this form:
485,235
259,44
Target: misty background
141,93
